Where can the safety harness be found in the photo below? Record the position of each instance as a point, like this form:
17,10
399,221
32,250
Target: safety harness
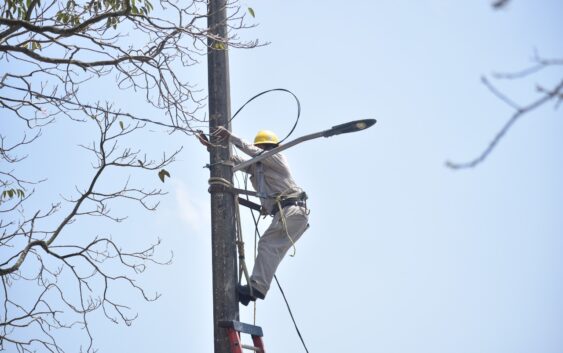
281,200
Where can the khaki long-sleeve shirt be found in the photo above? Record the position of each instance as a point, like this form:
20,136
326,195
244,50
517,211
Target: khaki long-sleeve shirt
270,177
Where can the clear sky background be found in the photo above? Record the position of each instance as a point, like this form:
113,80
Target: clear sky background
403,255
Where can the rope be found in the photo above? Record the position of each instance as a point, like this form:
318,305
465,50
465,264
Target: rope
243,269
220,181
240,244
257,232
258,236
284,223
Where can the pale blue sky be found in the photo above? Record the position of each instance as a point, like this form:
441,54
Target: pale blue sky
403,255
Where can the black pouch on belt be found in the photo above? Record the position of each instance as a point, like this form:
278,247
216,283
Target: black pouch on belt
292,201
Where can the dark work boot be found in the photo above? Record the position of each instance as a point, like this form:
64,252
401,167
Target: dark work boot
245,297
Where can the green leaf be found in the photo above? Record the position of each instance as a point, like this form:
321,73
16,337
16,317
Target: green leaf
10,193
219,45
251,12
34,45
163,173
121,125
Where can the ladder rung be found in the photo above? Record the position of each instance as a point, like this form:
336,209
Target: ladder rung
242,327
234,330
252,348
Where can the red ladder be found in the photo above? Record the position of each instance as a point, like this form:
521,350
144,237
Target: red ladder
235,328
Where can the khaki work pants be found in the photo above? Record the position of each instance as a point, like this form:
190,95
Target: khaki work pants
275,243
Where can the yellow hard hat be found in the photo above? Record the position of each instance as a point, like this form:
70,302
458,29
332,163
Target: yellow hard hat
266,137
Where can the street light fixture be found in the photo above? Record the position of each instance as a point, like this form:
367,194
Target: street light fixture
345,128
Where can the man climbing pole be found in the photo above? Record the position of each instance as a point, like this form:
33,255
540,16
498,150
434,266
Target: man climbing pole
281,198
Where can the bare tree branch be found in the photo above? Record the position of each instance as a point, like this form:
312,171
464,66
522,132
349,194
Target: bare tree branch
556,93
499,4
60,48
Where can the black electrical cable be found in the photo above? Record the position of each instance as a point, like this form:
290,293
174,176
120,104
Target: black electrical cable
282,292
274,90
291,314
257,233
257,220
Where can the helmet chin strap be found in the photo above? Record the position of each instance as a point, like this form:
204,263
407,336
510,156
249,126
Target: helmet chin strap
266,146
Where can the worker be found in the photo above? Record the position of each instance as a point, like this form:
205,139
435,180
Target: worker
281,198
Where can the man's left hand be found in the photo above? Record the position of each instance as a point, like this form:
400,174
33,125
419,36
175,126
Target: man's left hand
222,132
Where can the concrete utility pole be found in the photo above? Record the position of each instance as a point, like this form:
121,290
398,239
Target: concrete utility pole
223,237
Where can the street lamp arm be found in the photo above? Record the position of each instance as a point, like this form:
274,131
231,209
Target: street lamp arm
351,126
278,149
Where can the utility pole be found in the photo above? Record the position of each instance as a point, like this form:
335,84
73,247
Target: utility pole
223,237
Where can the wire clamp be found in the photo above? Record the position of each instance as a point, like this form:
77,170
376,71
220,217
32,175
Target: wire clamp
227,163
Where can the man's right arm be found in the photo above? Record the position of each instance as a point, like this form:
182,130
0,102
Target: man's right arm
244,146
275,161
